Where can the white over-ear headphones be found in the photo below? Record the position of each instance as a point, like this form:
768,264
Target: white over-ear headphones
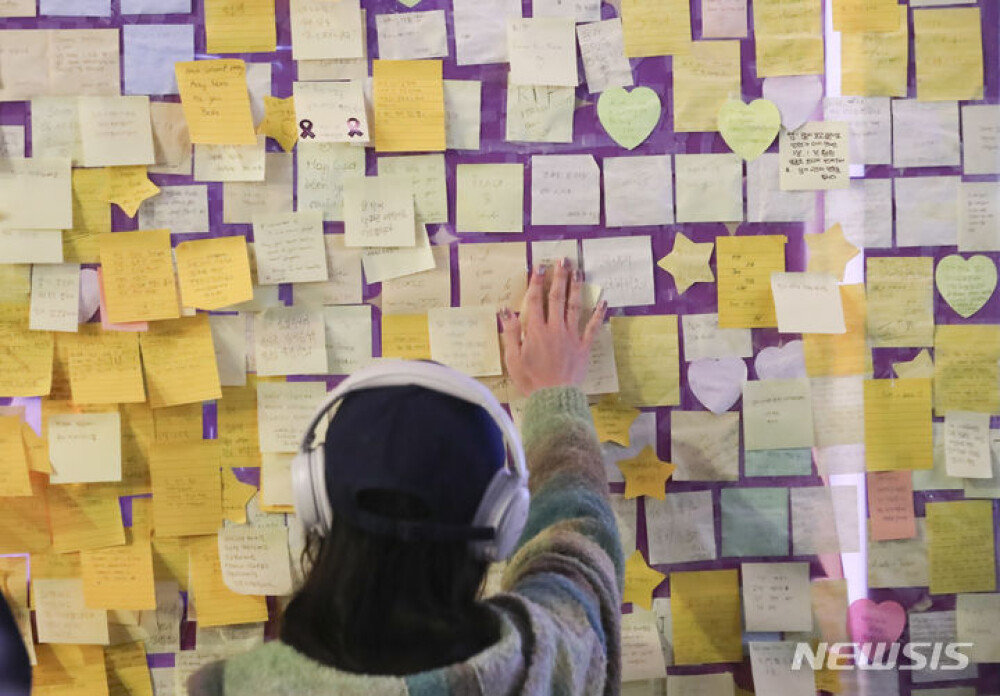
504,506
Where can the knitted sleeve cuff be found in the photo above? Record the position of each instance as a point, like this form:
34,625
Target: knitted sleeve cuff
547,407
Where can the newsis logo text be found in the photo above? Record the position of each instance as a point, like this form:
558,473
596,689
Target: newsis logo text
882,656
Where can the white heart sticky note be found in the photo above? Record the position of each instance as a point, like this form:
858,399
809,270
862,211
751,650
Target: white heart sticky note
90,294
717,382
785,362
796,96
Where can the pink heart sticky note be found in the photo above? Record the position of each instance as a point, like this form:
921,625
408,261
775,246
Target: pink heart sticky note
869,622
717,382
785,362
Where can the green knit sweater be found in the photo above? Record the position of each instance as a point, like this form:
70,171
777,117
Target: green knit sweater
558,611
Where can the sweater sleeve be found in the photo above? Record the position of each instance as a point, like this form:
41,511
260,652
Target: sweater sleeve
569,555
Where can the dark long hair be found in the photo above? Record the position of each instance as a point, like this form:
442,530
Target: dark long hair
376,605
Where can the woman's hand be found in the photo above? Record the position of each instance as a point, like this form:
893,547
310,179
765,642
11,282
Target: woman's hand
545,347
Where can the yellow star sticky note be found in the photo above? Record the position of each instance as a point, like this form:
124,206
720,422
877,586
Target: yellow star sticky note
129,187
829,252
613,420
646,474
640,581
687,262
279,122
921,367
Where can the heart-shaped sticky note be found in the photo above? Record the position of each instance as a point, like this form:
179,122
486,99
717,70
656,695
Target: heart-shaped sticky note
629,117
796,97
717,382
869,622
966,284
409,3
90,295
749,129
784,362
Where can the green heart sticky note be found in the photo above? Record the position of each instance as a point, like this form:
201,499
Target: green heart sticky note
409,3
749,129
966,284
629,117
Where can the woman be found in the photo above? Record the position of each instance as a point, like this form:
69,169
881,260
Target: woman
385,616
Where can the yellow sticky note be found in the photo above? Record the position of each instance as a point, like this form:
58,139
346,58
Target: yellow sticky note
84,517
612,419
874,64
14,477
91,215
142,518
490,197
831,355
865,15
128,187
640,581
705,606
409,105
237,423
37,450
24,521
406,336
745,265
119,577
137,439
25,355
656,27
279,122
687,262
235,496
63,670
187,488
900,301
240,26
170,560
646,355
127,670
216,604
788,37
646,474
898,424
960,546
137,273
216,101
179,359
104,367
178,423
966,373
921,366
705,78
829,251
214,273
948,51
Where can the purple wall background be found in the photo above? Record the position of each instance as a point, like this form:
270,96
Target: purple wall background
590,138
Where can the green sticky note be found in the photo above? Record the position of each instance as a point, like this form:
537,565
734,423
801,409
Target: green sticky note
754,521
966,284
629,117
749,129
778,462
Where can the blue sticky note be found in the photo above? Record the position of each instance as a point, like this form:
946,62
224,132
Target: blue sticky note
754,521
778,462
150,53
134,7
75,8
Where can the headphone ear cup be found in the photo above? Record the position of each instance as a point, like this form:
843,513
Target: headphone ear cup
504,508
309,490
512,525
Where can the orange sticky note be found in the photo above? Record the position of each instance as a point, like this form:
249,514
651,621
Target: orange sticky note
239,439
640,581
833,355
898,424
406,336
37,450
745,265
84,517
137,439
214,273
279,122
104,367
216,604
890,505
14,478
960,546
127,670
138,276
409,106
706,614
216,101
646,474
178,423
179,360
91,215
612,419
25,355
24,522
170,560
63,670
187,489
240,26
119,577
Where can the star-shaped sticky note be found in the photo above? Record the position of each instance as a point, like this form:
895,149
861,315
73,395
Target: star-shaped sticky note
613,419
687,262
279,122
129,186
829,252
921,367
640,581
646,474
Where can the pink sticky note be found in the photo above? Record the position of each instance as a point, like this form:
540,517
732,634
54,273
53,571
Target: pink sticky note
108,326
869,622
890,505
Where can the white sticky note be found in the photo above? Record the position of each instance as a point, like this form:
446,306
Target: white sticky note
808,303
565,190
290,248
481,29
412,35
55,297
379,211
331,108
977,616
149,53
171,139
602,46
61,615
12,141
704,339
85,447
926,210
75,8
348,338
864,212
638,191
254,560
622,267
967,444
579,10
540,114
243,201
427,176
466,339
981,138
31,246
641,653
462,113
322,169
36,193
940,626
312,38
709,188
290,340
777,414
681,528
767,201
771,664
386,263
282,407
180,209
55,128
815,156
925,134
979,216
705,446
542,51
869,125
776,597
719,684
229,337
345,284
824,520
134,7
115,131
